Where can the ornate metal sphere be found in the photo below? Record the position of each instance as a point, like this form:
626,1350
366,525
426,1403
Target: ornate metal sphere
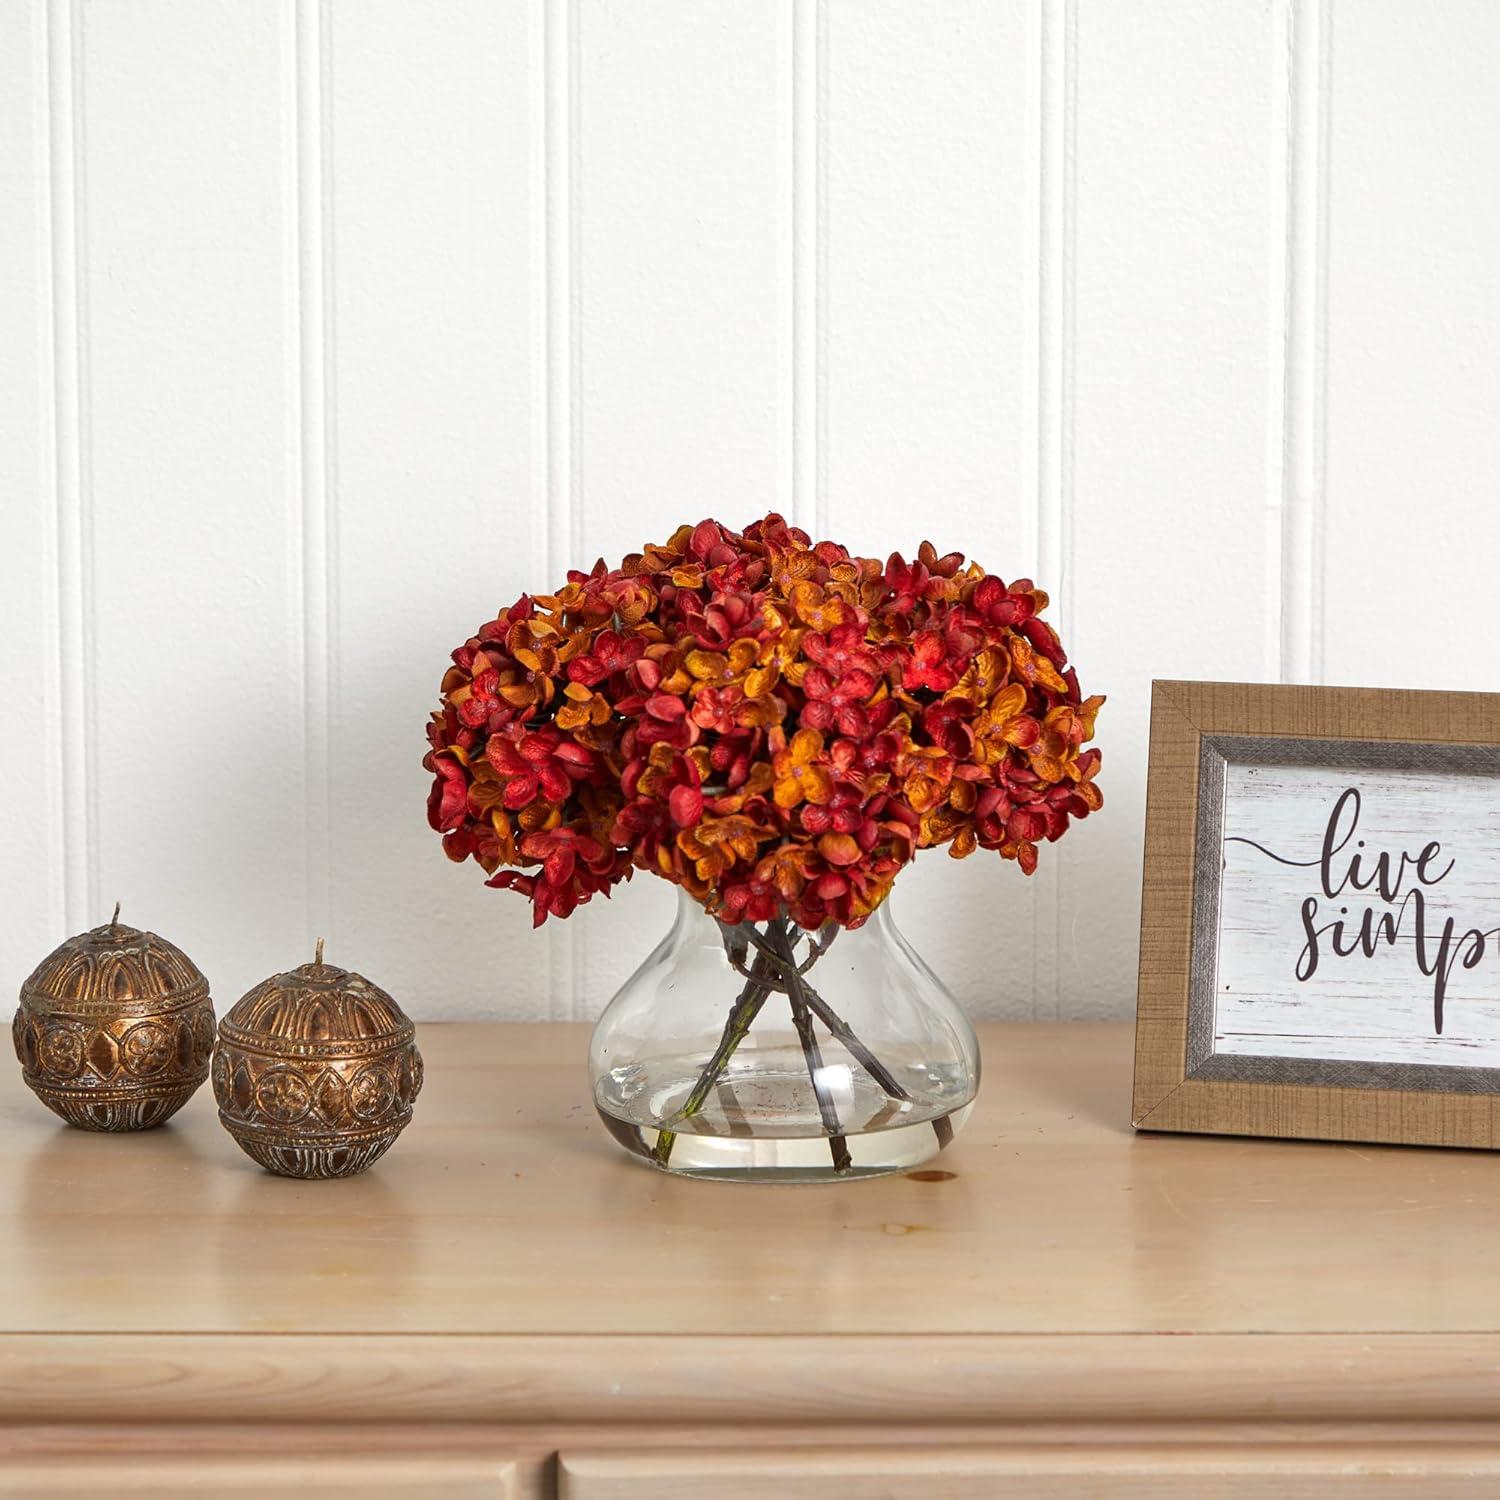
315,1072
115,1029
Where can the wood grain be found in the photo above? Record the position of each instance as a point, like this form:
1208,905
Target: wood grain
1165,1098
1147,1471
506,1263
487,1463
773,1381
507,1304
429,1476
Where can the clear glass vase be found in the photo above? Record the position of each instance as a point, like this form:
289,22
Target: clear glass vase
767,1053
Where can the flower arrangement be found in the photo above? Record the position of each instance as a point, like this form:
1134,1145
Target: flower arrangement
773,725
776,727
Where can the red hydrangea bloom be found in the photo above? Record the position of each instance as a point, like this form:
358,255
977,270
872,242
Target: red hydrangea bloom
537,763
774,725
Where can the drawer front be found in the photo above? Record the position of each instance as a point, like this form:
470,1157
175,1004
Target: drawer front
1270,1472
313,1478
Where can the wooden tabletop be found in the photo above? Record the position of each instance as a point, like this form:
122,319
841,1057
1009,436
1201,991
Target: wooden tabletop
505,1224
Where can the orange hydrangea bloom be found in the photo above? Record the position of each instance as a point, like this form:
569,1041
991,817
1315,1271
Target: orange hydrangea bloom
777,726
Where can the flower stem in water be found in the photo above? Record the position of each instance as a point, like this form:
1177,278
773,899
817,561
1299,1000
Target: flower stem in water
802,1020
741,1014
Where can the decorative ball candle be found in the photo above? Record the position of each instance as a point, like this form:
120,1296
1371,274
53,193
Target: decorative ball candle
315,1072
115,1029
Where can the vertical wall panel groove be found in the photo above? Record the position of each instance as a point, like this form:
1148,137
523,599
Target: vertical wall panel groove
1406,381
1278,361
318,570
549,426
785,493
332,575
1052,38
91,658
74,520
539,226
938,245
573,974
438,426
802,168
1038,353
1035,352
1168,388
187,281
680,267
564,289
815,81
1318,337
1064,614
564,376
1307,55
33,874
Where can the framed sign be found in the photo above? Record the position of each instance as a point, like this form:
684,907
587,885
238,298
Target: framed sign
1320,914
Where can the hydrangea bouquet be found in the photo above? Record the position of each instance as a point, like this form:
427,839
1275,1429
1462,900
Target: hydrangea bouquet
773,725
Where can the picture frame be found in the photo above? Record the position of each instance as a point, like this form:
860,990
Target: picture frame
1334,853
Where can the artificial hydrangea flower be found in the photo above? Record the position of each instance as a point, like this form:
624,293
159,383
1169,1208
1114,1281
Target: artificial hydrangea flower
775,726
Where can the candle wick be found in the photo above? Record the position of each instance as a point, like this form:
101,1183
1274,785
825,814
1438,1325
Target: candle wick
114,921
318,955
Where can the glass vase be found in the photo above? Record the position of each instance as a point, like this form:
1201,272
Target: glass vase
767,1053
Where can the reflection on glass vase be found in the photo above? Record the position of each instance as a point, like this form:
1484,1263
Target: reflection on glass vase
767,1053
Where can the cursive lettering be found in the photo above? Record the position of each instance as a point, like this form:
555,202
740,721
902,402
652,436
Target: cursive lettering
1402,880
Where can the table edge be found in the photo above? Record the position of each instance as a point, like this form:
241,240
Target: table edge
701,1379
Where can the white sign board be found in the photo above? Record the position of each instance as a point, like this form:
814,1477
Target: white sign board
1347,926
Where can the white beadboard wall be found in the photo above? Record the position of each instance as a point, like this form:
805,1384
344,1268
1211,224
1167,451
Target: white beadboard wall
327,326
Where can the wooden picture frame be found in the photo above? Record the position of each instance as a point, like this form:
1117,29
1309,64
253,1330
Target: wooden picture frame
1394,739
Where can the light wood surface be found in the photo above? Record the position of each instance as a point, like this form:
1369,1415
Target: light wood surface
427,1476
1272,1472
508,1267
505,1210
